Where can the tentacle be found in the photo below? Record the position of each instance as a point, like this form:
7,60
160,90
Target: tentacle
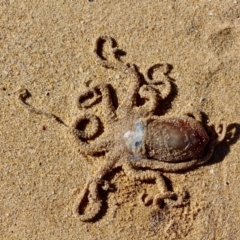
109,110
221,130
91,124
152,96
89,132
89,197
23,95
129,69
103,61
163,69
88,98
81,135
158,88
94,95
129,102
146,175
161,72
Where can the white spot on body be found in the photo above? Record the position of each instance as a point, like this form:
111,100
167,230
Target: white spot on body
133,139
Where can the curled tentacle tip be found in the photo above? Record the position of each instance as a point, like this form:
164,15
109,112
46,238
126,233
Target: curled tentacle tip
129,66
91,214
22,93
221,130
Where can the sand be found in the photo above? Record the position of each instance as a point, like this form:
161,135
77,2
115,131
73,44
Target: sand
47,48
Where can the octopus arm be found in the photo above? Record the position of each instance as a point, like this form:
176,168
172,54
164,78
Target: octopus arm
97,147
89,197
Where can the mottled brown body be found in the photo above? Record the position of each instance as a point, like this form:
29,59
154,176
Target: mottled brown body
175,139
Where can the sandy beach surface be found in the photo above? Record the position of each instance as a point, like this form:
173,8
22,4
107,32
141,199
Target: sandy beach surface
47,47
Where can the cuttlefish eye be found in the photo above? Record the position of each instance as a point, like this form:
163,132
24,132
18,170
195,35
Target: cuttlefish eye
175,139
